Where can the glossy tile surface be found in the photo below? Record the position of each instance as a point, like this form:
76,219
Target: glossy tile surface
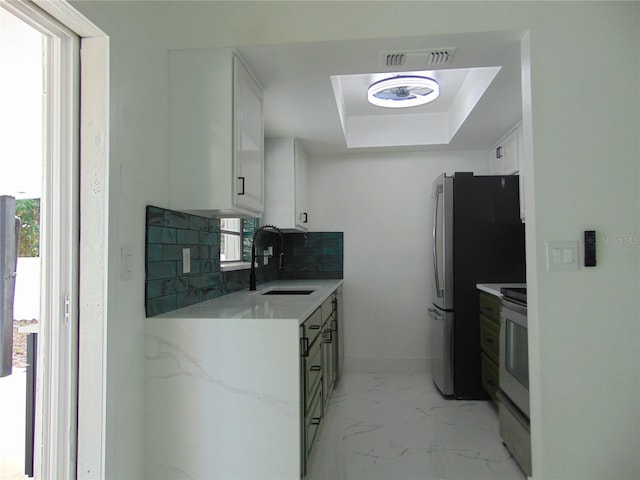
398,426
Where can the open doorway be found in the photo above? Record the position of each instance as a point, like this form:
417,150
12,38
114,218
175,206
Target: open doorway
21,163
39,165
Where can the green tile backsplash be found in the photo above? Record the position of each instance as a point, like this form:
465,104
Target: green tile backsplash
307,256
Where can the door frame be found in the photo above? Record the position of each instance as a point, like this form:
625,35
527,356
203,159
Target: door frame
57,355
70,430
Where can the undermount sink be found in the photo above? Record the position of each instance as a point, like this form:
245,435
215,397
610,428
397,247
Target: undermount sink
286,291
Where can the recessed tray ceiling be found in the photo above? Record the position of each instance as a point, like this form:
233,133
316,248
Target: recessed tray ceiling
366,125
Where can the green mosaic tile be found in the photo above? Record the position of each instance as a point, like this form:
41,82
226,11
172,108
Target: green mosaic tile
205,280
176,219
153,289
175,285
209,293
155,216
209,238
199,252
161,235
187,298
307,256
156,306
206,266
161,270
187,237
214,225
198,223
154,252
172,252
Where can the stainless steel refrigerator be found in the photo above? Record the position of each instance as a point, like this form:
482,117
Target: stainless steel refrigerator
478,237
9,235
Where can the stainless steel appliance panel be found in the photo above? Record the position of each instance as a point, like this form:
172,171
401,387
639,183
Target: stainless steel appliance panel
477,238
514,354
515,432
443,242
442,349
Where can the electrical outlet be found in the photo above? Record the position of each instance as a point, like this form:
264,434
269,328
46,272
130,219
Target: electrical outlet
186,260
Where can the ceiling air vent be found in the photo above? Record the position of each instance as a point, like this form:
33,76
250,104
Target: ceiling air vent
394,59
417,59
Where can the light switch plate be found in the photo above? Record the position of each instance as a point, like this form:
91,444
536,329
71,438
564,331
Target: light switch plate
562,255
126,263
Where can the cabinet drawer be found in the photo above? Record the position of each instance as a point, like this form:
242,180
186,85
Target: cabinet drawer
489,339
311,327
312,372
328,307
490,306
312,423
490,376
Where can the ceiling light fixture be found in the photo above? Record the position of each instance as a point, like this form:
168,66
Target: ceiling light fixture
403,91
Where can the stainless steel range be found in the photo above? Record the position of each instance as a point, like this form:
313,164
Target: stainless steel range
514,376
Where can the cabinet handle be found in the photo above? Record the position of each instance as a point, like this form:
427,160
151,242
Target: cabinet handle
305,346
306,217
489,340
328,336
241,192
315,368
314,327
499,152
334,325
315,420
491,382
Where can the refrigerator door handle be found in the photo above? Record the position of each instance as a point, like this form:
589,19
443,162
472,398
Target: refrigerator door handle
439,290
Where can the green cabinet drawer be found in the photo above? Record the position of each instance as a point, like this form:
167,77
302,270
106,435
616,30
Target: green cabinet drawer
490,306
489,339
311,326
490,376
312,424
313,372
328,307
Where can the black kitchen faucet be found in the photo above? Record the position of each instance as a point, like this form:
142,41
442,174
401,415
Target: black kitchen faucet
252,275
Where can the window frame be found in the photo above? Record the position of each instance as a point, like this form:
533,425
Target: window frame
239,234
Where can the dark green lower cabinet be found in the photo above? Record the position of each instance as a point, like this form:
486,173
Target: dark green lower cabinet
490,342
319,366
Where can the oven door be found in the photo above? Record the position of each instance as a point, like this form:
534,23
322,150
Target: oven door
514,354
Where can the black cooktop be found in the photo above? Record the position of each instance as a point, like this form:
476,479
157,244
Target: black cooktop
515,293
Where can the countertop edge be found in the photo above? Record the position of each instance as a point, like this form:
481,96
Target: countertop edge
251,306
494,288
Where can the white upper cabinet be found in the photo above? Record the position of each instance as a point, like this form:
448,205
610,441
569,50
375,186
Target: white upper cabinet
286,184
507,158
503,159
216,161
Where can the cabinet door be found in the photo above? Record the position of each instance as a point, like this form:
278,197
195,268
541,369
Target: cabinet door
248,159
522,159
510,155
504,158
301,188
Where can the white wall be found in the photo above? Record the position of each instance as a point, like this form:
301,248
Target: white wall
383,204
584,325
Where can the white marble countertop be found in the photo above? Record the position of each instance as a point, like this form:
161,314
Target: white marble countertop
254,305
494,288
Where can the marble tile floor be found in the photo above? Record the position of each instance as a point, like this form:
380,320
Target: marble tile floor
399,427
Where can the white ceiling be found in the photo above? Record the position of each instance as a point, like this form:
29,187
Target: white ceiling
436,123
299,99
